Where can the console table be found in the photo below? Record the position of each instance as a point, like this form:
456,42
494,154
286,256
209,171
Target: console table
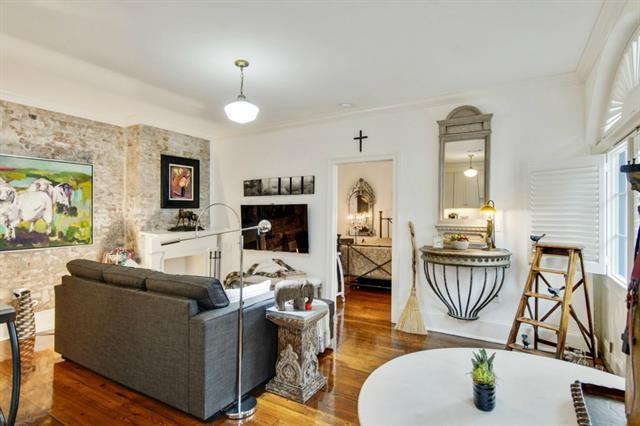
446,268
297,375
8,316
369,264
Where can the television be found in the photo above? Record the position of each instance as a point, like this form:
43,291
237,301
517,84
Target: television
289,227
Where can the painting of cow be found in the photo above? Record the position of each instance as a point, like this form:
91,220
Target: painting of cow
44,203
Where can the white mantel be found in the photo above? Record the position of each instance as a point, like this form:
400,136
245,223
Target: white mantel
154,255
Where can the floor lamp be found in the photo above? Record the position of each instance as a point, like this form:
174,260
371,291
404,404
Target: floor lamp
242,408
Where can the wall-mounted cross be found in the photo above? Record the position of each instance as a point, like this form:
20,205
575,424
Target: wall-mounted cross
359,138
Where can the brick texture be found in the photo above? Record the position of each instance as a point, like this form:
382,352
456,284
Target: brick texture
126,167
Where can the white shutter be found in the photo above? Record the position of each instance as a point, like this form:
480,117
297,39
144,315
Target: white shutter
567,202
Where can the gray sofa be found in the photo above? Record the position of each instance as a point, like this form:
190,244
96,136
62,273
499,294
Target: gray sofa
173,338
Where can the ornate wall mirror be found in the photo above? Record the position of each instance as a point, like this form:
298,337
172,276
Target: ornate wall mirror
361,203
465,142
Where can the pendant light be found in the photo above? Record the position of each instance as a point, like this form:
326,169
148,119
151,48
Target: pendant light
471,172
241,111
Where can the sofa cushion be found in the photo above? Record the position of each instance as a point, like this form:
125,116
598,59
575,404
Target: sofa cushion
125,276
208,292
88,269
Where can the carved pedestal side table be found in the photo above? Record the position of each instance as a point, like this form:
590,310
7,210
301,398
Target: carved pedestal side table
297,375
8,316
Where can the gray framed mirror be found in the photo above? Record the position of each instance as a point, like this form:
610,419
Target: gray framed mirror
361,202
464,168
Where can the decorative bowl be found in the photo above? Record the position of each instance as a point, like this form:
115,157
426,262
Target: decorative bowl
460,245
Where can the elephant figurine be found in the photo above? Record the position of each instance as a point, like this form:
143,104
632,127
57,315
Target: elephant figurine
301,292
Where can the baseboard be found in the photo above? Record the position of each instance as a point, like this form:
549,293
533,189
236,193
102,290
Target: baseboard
45,321
484,330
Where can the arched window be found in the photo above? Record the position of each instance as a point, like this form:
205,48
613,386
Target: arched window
625,92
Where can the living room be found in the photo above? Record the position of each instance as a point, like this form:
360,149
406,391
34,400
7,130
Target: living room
163,163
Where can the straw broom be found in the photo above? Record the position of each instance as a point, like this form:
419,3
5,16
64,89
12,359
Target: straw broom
411,319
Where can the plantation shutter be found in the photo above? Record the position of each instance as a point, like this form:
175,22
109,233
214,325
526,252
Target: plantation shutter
567,202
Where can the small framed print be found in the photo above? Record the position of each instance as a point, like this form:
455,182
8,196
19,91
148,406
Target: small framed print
296,185
180,182
285,185
308,184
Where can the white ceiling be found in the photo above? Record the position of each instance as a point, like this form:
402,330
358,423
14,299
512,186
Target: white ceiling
307,57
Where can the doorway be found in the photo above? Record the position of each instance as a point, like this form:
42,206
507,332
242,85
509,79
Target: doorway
362,215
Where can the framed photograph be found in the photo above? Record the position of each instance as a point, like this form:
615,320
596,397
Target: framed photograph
44,203
274,186
252,188
285,185
308,184
180,182
296,185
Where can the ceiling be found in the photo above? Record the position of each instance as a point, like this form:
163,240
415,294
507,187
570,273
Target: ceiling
307,57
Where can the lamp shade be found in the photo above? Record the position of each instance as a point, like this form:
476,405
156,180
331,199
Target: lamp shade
241,111
488,210
264,226
471,172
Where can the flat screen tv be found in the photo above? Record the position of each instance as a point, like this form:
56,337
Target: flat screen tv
289,230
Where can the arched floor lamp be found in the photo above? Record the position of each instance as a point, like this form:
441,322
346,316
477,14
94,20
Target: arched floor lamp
242,408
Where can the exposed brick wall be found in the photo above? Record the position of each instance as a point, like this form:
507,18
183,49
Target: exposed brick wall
145,144
126,168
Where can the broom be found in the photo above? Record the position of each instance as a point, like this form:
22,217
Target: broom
411,319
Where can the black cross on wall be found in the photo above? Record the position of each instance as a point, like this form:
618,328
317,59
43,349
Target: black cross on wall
359,138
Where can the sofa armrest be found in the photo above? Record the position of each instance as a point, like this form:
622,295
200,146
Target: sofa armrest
213,346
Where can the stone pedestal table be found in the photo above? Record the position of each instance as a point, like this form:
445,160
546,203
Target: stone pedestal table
297,375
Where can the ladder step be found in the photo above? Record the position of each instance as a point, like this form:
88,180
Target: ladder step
543,296
547,342
520,348
548,270
539,324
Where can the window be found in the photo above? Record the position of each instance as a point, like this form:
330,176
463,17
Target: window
567,200
626,81
618,214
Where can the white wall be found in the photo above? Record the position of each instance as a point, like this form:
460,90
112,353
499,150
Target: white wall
533,121
379,174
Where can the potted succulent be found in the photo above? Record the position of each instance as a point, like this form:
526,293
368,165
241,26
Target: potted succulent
459,241
484,380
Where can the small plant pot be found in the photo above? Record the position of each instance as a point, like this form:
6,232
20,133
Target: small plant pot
484,396
460,245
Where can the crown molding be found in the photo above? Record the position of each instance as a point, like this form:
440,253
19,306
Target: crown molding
610,13
558,80
62,108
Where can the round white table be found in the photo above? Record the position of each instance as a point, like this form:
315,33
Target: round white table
434,387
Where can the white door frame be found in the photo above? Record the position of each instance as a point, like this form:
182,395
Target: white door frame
332,215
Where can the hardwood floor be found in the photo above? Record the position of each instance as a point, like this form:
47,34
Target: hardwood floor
58,392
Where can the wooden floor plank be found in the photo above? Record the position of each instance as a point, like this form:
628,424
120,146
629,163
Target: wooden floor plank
57,392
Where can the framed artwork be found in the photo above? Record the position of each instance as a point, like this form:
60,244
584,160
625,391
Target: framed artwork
291,185
180,182
308,184
44,203
296,185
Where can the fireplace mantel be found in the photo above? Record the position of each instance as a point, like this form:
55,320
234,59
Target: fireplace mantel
154,255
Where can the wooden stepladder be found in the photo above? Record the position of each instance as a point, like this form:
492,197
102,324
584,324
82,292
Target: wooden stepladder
533,316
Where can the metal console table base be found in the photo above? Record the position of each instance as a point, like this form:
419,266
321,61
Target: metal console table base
461,304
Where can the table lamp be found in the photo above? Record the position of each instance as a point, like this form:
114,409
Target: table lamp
488,211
